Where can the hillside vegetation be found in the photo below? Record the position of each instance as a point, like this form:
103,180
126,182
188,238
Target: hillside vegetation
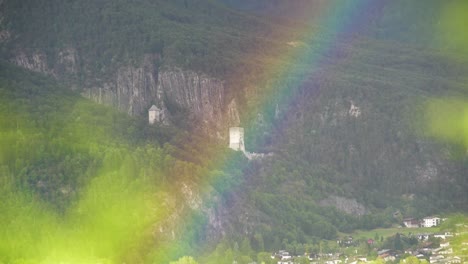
81,181
343,116
203,36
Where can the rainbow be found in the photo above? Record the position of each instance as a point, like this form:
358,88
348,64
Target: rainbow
281,81
324,36
301,52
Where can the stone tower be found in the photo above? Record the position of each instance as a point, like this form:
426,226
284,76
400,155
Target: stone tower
154,115
236,138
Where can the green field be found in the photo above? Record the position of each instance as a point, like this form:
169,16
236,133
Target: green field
387,232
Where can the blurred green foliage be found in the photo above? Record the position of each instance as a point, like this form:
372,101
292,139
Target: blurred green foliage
82,183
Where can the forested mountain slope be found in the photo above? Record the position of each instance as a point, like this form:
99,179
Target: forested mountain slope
134,55
339,110
82,182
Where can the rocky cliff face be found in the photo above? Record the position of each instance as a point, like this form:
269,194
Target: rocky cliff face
36,61
133,89
347,205
201,95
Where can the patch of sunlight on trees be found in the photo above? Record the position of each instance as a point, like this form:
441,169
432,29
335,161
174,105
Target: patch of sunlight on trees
77,187
113,215
452,25
447,120
71,153
457,224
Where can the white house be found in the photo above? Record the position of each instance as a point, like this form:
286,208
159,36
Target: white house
430,221
411,222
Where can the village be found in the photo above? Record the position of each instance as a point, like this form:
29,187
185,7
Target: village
442,246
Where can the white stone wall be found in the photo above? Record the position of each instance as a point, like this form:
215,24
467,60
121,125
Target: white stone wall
153,116
236,138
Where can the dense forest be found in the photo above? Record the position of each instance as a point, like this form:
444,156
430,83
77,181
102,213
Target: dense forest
201,35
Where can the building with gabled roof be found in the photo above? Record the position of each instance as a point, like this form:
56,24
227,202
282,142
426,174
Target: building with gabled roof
411,222
155,115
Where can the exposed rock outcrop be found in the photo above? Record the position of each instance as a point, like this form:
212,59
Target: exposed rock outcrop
349,206
133,89
67,62
202,95
4,35
233,114
36,61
